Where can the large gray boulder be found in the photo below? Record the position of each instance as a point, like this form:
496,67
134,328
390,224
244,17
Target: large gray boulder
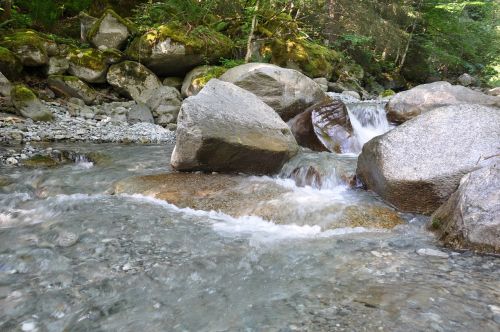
72,86
165,104
423,98
225,128
28,105
287,91
110,31
419,164
471,216
5,86
133,80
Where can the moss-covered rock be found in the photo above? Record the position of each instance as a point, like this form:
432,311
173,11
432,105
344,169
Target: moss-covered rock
10,65
57,66
89,64
72,86
171,50
312,59
28,105
32,48
197,78
113,56
110,31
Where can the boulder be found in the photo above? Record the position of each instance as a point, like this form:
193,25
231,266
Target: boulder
164,103
174,82
423,98
466,80
88,64
133,80
139,113
5,86
10,65
197,78
353,94
28,105
86,23
419,164
494,92
171,50
57,66
31,48
71,86
110,31
471,216
225,128
287,91
322,82
323,127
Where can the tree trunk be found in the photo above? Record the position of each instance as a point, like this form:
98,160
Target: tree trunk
7,10
252,31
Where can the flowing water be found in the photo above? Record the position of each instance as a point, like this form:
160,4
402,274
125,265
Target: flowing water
73,257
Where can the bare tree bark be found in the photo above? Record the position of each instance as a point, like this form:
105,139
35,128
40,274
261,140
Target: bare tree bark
248,56
7,10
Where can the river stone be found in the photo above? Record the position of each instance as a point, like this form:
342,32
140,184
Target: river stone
165,104
287,91
110,31
471,216
32,49
322,82
86,23
57,66
494,92
225,128
419,164
423,98
323,127
139,113
10,65
5,86
196,79
71,86
133,80
28,105
174,82
89,65
466,80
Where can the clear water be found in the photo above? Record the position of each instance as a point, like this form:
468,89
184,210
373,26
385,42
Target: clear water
74,258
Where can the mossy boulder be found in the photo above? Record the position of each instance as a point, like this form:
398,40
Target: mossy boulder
32,48
57,66
10,65
28,105
171,50
113,56
133,80
110,31
311,59
197,78
90,65
72,86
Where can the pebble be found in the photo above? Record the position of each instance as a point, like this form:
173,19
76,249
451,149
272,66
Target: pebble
432,253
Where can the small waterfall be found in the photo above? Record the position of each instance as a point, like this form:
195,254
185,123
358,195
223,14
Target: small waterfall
368,119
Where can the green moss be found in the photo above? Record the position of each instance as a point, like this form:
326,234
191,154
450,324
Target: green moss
10,65
112,55
21,38
388,93
22,93
436,223
64,78
88,58
95,27
312,59
40,161
211,72
201,40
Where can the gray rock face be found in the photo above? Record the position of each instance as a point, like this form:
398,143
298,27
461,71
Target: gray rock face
71,86
471,216
57,66
86,23
287,91
28,105
133,80
419,164
423,98
109,32
165,103
225,128
174,82
322,82
466,80
192,83
494,92
139,113
5,86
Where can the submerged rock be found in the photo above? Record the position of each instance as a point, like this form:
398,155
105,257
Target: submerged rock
423,98
171,50
110,31
133,80
471,216
225,128
419,164
71,86
323,127
287,91
28,105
